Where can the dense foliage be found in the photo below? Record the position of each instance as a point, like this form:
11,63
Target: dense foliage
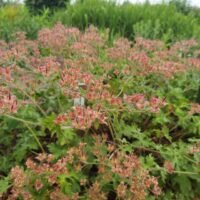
84,117
38,6
168,22
1,2
150,21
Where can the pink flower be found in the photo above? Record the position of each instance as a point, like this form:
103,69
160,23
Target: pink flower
83,118
136,99
156,104
8,102
168,166
6,73
60,119
140,102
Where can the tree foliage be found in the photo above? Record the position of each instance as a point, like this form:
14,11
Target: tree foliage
1,3
35,6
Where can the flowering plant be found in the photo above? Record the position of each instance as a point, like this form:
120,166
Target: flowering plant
134,134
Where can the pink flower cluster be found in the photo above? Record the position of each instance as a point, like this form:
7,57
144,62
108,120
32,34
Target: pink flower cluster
97,91
127,168
8,102
61,119
168,166
73,76
55,39
120,50
72,79
168,68
140,102
48,66
5,73
83,118
139,57
194,62
184,45
149,45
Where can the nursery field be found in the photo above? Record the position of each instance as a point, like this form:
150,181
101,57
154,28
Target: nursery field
85,116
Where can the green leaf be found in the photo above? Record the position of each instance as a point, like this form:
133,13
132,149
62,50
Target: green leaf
48,122
57,150
69,183
4,185
184,184
66,136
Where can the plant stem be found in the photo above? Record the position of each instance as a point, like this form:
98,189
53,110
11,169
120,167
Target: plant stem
35,137
178,172
111,130
21,120
29,128
190,159
181,172
26,94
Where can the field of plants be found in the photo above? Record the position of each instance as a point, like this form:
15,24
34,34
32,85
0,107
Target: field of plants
85,118
93,112
168,23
